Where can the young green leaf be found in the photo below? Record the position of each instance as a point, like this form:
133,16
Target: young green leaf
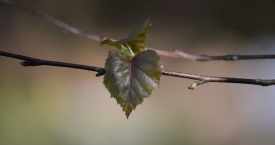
130,80
110,42
119,45
127,51
139,29
137,38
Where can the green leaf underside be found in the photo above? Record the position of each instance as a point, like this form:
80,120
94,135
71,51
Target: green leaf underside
130,80
136,39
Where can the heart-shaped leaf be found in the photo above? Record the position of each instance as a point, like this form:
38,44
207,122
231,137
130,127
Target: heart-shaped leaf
129,80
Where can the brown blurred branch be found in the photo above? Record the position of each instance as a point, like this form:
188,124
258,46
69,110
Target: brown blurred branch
203,57
30,61
173,53
54,21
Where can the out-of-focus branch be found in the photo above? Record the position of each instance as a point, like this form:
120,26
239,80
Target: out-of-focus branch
54,21
203,57
30,61
173,53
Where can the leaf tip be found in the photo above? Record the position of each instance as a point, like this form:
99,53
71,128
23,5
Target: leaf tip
148,22
127,114
142,28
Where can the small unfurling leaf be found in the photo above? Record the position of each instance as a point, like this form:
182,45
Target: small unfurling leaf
135,40
138,30
111,43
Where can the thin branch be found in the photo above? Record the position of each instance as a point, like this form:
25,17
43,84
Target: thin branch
30,61
203,57
205,79
54,21
173,53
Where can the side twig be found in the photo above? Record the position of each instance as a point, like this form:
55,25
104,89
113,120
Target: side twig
173,53
30,61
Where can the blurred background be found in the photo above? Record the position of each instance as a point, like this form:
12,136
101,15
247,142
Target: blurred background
60,106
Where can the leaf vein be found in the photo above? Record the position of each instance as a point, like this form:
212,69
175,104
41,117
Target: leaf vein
147,62
145,73
134,77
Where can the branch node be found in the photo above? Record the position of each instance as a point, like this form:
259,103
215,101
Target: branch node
231,57
100,73
29,63
194,85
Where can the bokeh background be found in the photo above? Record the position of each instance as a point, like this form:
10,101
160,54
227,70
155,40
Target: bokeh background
60,106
